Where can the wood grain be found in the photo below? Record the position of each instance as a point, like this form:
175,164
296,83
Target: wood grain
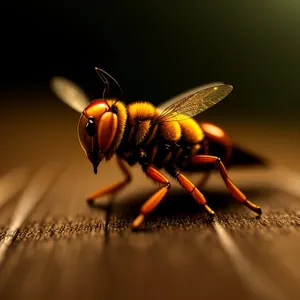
67,250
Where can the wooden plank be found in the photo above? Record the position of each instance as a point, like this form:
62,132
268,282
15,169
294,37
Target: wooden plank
65,250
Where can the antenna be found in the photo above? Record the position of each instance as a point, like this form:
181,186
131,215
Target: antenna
101,73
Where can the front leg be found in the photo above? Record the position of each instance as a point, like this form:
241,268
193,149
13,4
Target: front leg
114,187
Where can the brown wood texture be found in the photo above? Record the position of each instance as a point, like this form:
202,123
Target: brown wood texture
68,250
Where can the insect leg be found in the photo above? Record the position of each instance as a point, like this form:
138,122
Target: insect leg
219,137
156,198
233,189
204,179
114,187
190,188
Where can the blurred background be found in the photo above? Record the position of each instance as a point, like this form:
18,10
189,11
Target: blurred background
156,50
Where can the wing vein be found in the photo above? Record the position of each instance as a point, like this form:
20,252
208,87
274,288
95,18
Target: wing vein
194,104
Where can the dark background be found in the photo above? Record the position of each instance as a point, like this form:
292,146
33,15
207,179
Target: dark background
157,49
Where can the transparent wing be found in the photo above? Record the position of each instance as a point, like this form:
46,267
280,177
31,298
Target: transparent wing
194,104
185,94
70,93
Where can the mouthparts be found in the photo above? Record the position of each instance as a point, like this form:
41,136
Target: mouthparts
95,169
95,158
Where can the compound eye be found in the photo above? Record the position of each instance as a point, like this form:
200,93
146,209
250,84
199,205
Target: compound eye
91,127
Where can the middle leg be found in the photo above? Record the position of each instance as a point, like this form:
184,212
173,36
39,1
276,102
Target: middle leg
190,188
156,198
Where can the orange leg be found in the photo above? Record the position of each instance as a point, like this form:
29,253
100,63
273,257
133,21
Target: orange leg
190,188
114,187
233,189
217,135
156,198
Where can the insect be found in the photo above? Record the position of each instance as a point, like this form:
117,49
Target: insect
163,138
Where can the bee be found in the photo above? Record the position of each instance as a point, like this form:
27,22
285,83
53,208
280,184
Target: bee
157,138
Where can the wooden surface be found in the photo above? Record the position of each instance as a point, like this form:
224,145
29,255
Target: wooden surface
67,250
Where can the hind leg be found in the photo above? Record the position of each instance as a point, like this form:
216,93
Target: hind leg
233,189
204,179
218,136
